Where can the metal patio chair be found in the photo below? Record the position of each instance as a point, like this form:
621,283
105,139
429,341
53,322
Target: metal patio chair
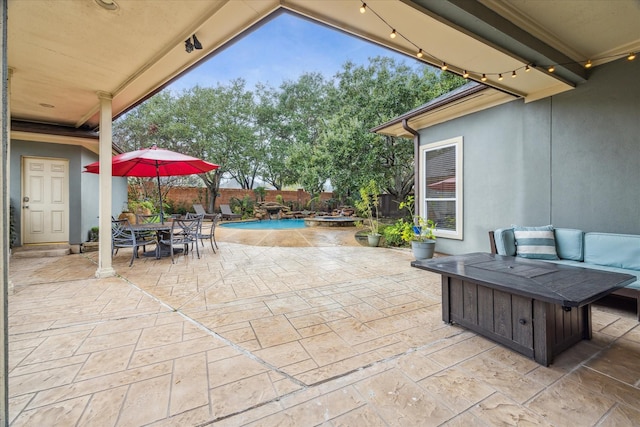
123,236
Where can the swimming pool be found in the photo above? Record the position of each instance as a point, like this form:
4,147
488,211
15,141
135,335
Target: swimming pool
273,224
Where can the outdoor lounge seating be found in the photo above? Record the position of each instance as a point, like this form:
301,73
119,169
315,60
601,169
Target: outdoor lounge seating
199,209
227,213
123,236
602,251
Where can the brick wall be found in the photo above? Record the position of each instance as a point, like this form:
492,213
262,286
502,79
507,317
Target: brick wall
187,196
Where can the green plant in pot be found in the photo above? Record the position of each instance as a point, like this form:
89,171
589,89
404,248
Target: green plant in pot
419,234
368,207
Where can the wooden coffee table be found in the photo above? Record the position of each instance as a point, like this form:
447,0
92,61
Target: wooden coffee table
534,307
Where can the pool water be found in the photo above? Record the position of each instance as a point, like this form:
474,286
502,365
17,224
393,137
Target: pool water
273,224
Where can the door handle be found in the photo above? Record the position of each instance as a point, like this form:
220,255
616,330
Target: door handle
25,207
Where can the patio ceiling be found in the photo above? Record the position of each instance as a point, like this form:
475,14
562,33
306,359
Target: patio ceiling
61,53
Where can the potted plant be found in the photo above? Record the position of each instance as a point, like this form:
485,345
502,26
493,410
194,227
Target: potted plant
419,234
368,206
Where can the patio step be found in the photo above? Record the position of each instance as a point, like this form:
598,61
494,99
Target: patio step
41,251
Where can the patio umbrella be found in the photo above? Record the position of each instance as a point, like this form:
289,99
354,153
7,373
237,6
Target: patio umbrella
448,184
154,162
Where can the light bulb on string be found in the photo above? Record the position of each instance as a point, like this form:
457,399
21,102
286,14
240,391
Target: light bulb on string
363,8
393,34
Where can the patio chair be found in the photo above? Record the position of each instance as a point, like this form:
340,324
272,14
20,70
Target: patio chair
184,232
146,219
207,230
123,236
227,213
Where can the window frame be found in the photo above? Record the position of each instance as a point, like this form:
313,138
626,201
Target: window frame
457,143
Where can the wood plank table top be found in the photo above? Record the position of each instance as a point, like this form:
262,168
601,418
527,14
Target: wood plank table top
564,285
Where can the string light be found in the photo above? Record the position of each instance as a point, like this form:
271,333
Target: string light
466,74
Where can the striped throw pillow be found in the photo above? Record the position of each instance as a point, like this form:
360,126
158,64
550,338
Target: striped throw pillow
535,242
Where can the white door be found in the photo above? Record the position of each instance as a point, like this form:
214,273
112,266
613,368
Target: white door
45,200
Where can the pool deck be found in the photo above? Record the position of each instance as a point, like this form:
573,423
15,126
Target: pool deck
287,328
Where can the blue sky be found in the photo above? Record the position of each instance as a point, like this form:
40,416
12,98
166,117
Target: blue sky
283,49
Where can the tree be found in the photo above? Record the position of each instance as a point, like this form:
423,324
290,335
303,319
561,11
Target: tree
302,109
367,96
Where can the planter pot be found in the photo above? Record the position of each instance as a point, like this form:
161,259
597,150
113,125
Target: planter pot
423,250
128,215
373,239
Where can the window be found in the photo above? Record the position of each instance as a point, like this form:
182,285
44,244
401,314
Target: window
441,186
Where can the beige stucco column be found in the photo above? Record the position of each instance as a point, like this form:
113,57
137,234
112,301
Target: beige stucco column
5,130
104,256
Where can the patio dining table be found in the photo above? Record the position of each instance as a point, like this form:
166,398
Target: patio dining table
159,228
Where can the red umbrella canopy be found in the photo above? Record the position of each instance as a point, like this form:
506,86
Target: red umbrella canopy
154,162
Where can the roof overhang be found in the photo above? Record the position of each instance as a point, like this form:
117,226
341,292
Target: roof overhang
471,98
61,54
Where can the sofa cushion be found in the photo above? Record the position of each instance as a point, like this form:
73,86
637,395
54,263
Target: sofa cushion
615,250
569,243
505,241
535,242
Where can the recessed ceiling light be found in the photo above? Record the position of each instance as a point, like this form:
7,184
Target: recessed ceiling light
107,4
45,105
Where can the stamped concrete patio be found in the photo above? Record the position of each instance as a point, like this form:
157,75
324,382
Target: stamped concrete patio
287,328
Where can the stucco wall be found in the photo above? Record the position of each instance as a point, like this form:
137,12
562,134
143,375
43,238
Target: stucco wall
83,187
570,160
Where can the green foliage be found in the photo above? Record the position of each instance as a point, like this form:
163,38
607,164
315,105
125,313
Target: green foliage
242,206
280,199
393,233
422,232
136,206
173,207
94,234
369,203
261,193
419,229
305,132
365,97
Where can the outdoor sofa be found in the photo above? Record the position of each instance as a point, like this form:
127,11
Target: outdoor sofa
602,251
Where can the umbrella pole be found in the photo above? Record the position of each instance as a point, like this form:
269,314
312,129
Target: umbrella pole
159,193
